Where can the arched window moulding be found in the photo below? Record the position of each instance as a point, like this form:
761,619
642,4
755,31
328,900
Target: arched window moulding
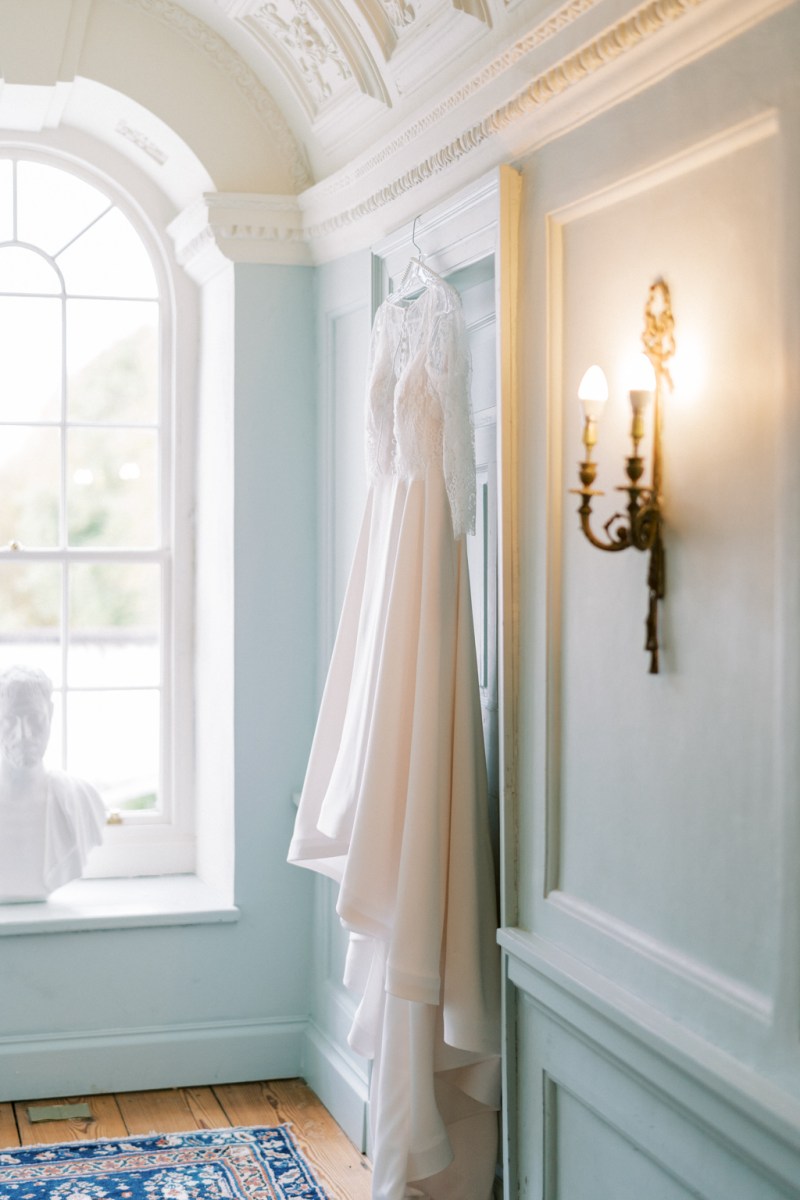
197,884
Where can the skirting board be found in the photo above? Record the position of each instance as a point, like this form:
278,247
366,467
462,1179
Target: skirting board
340,1087
88,1063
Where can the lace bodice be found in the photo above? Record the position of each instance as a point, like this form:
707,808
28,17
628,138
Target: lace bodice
418,408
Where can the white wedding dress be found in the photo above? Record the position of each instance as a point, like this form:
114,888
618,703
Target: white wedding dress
394,805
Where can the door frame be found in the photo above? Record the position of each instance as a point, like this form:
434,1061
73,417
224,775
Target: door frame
482,222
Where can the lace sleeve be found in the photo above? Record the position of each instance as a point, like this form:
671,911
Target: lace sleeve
374,421
450,371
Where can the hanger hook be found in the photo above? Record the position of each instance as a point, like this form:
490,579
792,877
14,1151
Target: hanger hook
414,236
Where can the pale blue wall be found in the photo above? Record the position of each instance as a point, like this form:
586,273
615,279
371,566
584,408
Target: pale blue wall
343,318
257,970
275,515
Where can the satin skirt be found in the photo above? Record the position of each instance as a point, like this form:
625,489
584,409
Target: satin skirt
394,809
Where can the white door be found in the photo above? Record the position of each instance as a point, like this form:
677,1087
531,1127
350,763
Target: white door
476,284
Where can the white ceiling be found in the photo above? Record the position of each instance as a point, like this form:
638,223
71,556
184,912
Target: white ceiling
335,113
345,72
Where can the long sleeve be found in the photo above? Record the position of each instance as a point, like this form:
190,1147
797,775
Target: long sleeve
449,370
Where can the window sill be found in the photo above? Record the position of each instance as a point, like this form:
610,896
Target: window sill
120,904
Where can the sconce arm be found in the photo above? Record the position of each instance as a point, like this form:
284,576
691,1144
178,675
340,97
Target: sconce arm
618,538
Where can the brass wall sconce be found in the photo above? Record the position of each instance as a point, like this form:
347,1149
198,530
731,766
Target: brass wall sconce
641,526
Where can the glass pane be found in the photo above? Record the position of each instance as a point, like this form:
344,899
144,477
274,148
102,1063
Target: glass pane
26,271
54,758
112,360
30,470
54,206
112,488
6,200
30,359
115,611
113,741
30,616
109,260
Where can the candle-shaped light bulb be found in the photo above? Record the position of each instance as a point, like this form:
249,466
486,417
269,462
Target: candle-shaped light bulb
593,393
643,384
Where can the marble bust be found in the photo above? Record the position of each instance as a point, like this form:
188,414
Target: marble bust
49,821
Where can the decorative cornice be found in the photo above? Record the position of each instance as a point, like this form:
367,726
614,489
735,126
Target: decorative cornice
570,71
225,58
239,228
493,70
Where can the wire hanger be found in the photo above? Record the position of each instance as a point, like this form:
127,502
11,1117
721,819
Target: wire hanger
417,275
414,238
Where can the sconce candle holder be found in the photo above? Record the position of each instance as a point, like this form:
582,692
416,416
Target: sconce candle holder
641,525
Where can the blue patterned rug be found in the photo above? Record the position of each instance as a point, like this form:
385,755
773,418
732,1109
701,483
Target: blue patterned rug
219,1164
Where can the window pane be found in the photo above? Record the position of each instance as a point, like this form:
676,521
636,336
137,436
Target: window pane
114,625
54,757
30,470
6,200
112,487
112,360
30,616
26,271
47,224
109,260
113,741
30,359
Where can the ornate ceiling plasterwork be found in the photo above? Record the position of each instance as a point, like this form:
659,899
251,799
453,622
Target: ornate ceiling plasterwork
399,12
319,49
479,9
529,90
570,71
434,43
535,37
202,37
308,45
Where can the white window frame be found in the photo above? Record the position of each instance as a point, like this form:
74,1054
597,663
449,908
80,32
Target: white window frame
162,842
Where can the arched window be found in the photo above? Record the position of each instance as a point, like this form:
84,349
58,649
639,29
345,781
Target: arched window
87,529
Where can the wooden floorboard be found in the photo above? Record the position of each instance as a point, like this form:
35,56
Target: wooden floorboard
8,1127
341,1170
172,1111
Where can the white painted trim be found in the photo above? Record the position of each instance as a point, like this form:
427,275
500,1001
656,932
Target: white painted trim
721,145
757,1006
725,1096
157,1056
239,227
164,842
481,124
475,129
472,213
342,1089
120,904
741,1010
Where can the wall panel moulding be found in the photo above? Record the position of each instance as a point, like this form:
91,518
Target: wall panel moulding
490,119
